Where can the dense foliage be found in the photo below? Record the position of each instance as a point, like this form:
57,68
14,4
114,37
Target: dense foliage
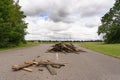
111,24
12,25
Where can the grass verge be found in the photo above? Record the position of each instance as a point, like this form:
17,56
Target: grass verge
28,44
108,49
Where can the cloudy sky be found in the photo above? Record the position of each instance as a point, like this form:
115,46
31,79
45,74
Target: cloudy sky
64,19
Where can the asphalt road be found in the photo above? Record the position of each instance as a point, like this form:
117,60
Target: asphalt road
87,65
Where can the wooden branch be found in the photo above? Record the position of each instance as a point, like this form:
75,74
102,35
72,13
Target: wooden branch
49,63
51,70
28,69
19,67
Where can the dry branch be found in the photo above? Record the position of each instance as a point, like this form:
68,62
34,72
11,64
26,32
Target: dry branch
51,70
19,67
28,69
48,63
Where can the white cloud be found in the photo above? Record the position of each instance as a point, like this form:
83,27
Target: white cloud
65,19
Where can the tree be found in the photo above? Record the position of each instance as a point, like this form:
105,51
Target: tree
12,24
111,24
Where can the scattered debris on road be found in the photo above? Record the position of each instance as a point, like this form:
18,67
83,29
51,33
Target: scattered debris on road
40,69
51,70
49,65
28,69
65,48
44,63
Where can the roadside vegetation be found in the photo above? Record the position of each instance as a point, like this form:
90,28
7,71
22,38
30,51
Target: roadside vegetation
108,49
12,24
28,44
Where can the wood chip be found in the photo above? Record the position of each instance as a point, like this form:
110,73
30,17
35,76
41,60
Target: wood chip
28,69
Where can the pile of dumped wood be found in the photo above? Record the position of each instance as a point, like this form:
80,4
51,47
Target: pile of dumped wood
65,48
43,63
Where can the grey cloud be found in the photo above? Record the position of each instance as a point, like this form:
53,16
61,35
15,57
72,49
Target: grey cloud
60,10
59,36
57,27
90,25
92,10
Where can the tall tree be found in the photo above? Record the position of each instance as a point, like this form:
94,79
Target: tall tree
12,24
111,24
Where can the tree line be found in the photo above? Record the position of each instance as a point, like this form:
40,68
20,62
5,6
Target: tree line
12,24
110,27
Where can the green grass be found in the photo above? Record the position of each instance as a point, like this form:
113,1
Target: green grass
28,44
109,49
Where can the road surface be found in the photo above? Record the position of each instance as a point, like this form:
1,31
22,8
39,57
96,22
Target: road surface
87,65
